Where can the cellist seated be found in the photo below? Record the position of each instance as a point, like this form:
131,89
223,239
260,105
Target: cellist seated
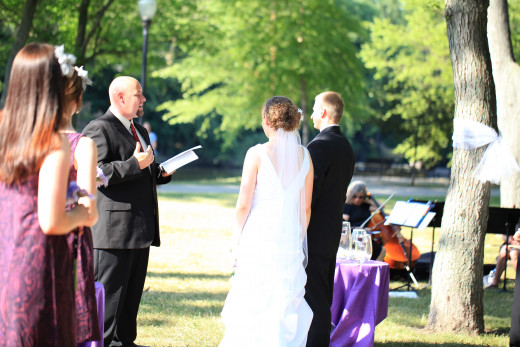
358,208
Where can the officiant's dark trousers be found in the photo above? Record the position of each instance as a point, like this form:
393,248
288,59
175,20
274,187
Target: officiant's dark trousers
122,272
514,333
318,294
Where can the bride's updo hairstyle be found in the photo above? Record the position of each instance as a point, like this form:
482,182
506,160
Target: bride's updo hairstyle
281,113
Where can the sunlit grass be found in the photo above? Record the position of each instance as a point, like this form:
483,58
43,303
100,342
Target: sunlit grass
188,280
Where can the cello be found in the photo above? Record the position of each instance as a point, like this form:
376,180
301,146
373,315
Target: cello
397,252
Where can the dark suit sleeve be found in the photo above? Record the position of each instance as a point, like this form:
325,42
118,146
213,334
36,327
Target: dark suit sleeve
319,162
117,171
160,179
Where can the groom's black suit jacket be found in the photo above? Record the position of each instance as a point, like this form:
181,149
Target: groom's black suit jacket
128,210
333,160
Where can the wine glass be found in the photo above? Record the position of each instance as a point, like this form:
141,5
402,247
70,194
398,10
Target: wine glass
345,242
361,246
368,248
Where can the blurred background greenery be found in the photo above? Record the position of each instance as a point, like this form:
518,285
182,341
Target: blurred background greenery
212,64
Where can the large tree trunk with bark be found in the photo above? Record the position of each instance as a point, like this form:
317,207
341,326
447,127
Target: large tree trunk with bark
22,33
457,293
506,74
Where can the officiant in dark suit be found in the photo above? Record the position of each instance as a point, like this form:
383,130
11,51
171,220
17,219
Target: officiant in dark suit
128,211
333,160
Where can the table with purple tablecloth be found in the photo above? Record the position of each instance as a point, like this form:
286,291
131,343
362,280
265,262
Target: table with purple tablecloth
359,303
100,299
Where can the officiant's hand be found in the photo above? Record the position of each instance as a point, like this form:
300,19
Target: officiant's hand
165,174
143,158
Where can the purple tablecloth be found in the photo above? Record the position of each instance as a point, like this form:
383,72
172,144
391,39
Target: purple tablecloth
359,303
100,299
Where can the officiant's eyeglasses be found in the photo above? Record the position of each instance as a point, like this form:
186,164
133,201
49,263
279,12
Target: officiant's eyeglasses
358,197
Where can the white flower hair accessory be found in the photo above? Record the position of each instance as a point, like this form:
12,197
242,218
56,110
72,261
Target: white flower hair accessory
300,111
66,60
84,77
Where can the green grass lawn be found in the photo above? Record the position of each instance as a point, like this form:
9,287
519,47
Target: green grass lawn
188,280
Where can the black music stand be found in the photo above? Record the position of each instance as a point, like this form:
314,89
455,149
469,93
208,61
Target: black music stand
503,221
416,223
438,208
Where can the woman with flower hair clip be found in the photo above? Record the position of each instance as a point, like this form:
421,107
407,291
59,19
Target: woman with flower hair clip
83,171
36,281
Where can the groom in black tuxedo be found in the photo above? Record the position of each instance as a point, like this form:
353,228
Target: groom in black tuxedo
333,160
128,211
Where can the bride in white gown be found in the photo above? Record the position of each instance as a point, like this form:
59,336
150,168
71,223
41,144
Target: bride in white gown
265,306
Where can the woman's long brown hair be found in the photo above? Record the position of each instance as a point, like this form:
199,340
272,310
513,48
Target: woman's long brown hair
32,116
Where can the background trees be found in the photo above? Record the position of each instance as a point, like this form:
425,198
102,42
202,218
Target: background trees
413,87
251,50
213,63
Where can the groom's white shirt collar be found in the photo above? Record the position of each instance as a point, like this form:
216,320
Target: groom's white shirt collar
330,125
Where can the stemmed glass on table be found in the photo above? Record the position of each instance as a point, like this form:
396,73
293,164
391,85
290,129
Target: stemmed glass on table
345,242
354,246
361,246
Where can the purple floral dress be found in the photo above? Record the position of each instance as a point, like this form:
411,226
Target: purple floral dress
36,277
81,247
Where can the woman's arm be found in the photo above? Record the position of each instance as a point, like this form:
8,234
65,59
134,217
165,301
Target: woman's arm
309,181
247,188
52,191
85,158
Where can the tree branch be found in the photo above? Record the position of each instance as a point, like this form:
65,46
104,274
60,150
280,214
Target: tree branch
82,28
95,26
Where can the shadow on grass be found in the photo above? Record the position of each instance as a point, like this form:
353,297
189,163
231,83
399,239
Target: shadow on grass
178,304
182,275
224,199
499,331
407,312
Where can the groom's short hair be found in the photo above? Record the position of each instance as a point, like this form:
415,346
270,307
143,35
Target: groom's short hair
334,105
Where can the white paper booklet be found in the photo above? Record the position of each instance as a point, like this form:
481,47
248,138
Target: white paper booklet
409,214
180,160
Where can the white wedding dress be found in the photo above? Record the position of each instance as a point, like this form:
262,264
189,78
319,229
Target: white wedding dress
265,305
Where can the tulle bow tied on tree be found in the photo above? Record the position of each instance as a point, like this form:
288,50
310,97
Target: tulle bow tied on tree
497,163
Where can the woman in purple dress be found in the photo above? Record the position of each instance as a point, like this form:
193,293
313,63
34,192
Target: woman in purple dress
83,161
36,281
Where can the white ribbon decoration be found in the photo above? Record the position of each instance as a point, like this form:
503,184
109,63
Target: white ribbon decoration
83,74
497,163
66,60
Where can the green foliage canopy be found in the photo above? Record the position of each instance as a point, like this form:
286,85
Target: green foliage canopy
252,50
411,60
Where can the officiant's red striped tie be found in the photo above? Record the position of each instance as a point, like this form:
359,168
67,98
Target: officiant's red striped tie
135,136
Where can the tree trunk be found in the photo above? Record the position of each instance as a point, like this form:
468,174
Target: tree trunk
457,293
305,126
81,44
19,41
506,74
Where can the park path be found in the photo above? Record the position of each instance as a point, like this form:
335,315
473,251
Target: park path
377,185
